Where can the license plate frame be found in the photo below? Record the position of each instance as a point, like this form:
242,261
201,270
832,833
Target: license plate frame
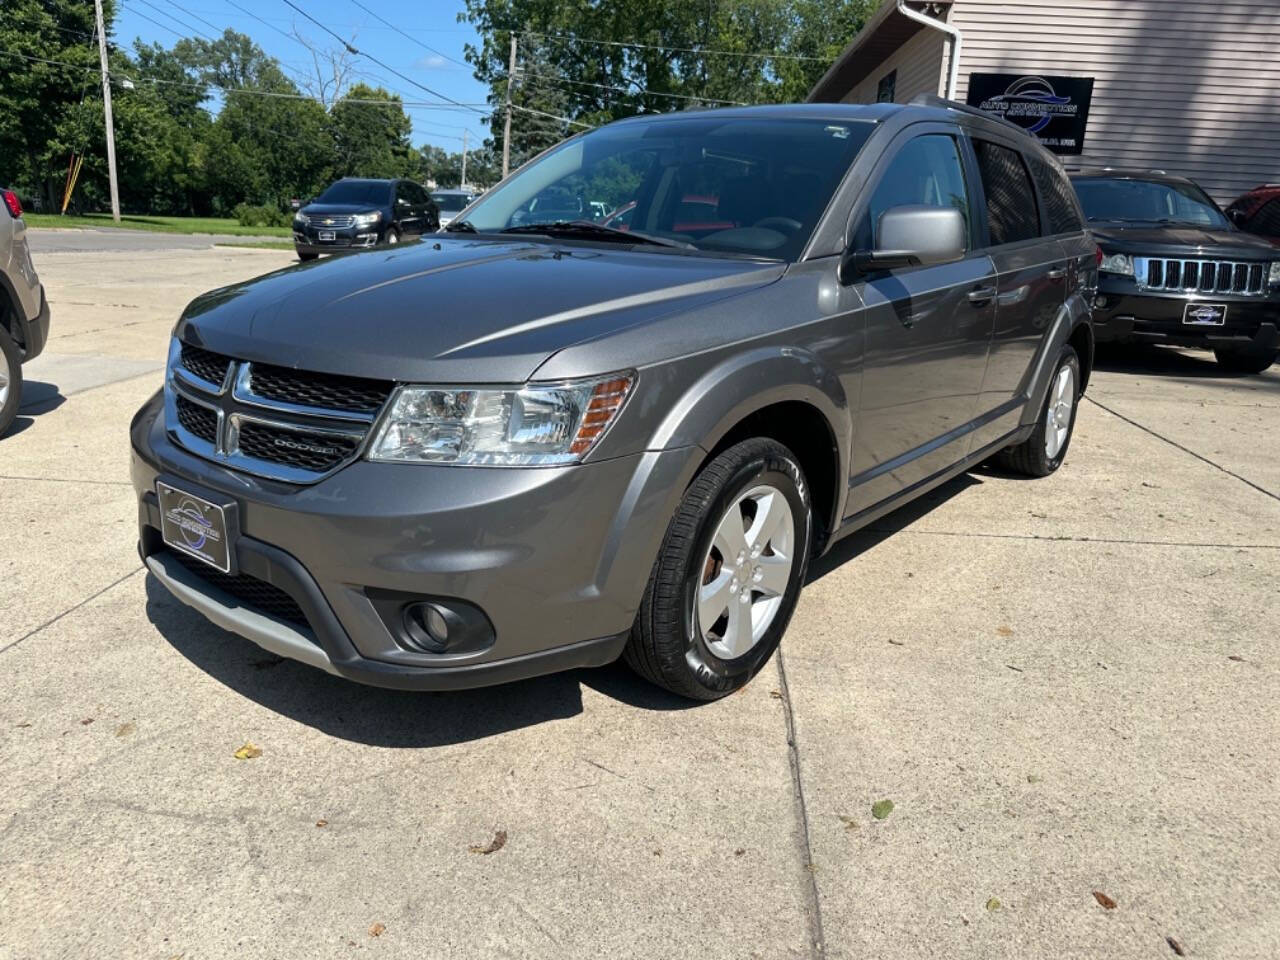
328,235
200,526
1210,314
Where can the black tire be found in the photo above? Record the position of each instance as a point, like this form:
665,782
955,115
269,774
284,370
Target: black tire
392,237
1030,457
665,646
11,370
1245,360
304,257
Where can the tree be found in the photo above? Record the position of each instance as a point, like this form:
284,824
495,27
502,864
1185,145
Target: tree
371,139
37,98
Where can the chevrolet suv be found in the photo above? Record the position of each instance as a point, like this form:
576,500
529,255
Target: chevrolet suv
356,214
535,443
1175,270
24,311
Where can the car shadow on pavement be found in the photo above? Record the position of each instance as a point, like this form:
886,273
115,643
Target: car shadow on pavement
1163,361
38,397
881,530
378,717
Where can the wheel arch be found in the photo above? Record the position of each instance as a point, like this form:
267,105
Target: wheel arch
781,393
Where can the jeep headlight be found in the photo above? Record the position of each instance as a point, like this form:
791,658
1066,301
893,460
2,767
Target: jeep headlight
1119,263
367,219
1273,275
535,425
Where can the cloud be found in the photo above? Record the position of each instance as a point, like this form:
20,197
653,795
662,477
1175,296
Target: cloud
432,61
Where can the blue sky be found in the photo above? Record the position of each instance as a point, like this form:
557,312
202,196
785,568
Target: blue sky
432,23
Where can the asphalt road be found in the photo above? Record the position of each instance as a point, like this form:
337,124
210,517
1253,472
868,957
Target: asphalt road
1066,687
111,239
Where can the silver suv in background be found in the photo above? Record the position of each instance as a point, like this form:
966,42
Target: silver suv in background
24,312
539,442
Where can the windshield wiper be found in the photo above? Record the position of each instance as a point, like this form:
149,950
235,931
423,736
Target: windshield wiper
587,230
459,226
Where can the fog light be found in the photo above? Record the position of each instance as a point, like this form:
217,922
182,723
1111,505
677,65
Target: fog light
427,626
1100,302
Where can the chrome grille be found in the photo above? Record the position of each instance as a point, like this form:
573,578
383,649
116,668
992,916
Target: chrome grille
1201,276
326,222
291,425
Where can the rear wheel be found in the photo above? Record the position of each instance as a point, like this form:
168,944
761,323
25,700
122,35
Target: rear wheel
728,575
1245,359
1043,452
10,380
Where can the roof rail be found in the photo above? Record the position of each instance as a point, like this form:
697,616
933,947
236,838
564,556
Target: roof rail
929,100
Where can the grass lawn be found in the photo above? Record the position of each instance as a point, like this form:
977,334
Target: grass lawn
161,224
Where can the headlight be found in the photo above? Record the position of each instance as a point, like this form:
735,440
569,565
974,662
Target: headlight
301,219
1120,263
1273,275
534,425
367,219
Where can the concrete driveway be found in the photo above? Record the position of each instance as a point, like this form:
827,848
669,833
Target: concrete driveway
1067,688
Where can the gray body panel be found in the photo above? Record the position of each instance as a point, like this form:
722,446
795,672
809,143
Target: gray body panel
20,285
915,375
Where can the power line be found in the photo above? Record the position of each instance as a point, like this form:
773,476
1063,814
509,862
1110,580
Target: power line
282,33
162,26
552,116
424,46
651,46
369,56
635,93
166,13
192,13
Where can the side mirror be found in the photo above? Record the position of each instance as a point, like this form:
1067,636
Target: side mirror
1237,216
911,236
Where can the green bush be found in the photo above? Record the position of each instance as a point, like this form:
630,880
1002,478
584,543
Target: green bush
260,216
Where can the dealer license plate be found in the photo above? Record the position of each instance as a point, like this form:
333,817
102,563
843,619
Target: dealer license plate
194,525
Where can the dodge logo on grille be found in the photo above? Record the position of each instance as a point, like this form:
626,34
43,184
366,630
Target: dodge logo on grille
304,447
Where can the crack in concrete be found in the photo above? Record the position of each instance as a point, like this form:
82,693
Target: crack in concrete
72,609
817,941
1186,450
97,483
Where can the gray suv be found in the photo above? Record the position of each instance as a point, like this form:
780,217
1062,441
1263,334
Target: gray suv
24,312
534,443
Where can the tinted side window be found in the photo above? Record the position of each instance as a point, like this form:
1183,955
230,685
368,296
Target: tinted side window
926,171
1059,198
1267,220
1011,201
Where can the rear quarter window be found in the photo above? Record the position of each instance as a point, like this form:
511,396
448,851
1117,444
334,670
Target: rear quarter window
1012,214
1059,197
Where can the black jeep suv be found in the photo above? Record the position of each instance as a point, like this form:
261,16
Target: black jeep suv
1176,270
363,213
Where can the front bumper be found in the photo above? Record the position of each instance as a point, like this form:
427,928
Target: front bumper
556,558
307,239
1124,314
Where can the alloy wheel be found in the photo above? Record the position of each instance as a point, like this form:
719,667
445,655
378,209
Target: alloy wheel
745,572
1062,401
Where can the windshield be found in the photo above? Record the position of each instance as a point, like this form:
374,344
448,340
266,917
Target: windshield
753,186
451,202
357,191
1148,201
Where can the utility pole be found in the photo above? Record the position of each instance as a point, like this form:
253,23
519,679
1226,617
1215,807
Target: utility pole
506,123
106,106
464,157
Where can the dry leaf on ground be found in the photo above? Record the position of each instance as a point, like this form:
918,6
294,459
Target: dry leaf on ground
322,823
499,841
1005,631
1106,902
126,729
1175,946
377,930
993,904
248,751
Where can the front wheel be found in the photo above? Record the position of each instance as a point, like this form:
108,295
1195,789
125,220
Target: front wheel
1245,360
393,236
10,381
305,257
1043,452
728,575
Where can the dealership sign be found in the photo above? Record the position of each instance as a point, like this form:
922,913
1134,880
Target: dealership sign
1055,109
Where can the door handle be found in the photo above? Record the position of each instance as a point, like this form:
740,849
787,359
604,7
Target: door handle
980,295
1057,273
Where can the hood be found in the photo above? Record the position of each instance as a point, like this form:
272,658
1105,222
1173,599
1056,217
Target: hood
344,209
455,310
1181,241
